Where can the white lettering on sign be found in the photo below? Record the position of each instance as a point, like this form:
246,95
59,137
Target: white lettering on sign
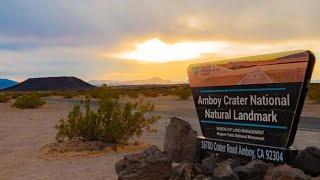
262,100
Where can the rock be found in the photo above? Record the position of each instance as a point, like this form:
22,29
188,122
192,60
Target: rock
202,177
314,151
316,178
308,160
180,140
209,164
120,165
224,170
150,164
186,171
254,170
286,172
268,175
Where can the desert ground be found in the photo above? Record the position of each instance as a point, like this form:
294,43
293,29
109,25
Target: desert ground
24,132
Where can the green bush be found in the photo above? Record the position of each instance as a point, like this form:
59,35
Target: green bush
150,93
110,123
68,95
29,101
45,94
314,93
132,94
182,93
100,92
15,95
4,98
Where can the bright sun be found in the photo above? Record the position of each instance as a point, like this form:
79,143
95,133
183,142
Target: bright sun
155,50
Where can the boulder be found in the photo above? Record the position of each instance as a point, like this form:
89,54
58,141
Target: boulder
209,164
308,160
186,171
180,140
202,177
254,170
150,164
120,165
316,178
286,172
224,170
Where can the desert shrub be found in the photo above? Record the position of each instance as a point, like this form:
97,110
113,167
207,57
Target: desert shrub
44,94
68,94
314,93
101,91
110,123
150,93
132,94
4,98
29,101
15,95
182,93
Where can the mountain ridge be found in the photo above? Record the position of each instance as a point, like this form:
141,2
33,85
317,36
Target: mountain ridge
5,83
150,81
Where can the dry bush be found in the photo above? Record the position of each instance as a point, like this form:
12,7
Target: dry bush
68,94
15,95
98,93
4,98
314,93
111,122
29,101
182,93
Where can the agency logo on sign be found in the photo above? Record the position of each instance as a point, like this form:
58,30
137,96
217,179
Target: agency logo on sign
253,100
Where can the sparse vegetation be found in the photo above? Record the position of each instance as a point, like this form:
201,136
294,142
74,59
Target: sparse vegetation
111,122
182,93
132,94
100,92
314,93
29,101
15,95
4,98
69,95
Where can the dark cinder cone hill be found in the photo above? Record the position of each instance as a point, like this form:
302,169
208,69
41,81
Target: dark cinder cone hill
51,84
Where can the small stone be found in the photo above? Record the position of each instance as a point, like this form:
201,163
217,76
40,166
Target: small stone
308,160
224,170
120,165
254,170
202,177
316,178
150,164
314,151
286,172
208,164
186,171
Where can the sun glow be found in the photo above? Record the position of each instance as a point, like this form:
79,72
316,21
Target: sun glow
155,50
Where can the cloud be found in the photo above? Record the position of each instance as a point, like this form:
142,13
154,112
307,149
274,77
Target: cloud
155,50
42,38
110,21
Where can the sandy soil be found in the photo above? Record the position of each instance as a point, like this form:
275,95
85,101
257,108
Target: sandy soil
24,132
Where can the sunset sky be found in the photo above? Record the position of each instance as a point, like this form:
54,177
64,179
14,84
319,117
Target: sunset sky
129,40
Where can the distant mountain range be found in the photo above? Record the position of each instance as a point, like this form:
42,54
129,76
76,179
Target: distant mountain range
5,83
154,80
51,84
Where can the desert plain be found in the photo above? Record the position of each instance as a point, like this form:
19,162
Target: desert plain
24,132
